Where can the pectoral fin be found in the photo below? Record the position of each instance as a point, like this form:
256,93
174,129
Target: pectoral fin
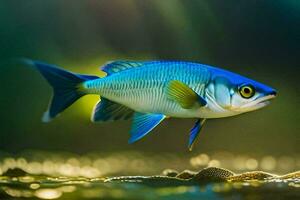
142,124
195,132
184,95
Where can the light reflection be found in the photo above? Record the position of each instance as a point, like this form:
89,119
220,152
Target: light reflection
39,186
9,163
67,189
242,163
251,164
297,185
286,163
26,179
48,167
17,192
89,172
268,163
67,170
298,163
73,161
21,162
214,163
200,160
34,168
172,190
48,193
34,186
239,163
101,165
90,194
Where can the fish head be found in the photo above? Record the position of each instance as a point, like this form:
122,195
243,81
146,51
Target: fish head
232,94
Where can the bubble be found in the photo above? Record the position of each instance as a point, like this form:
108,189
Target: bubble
237,185
34,168
216,188
67,170
227,187
17,193
21,163
268,163
214,163
200,160
255,183
85,160
73,161
286,163
224,157
239,163
48,193
67,189
251,164
93,194
34,186
48,167
9,163
246,184
102,165
137,164
89,172
294,185
26,179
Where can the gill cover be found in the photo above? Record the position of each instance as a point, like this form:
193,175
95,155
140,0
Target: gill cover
222,89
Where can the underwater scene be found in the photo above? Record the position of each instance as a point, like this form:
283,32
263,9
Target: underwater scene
129,99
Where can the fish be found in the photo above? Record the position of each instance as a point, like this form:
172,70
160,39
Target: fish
148,92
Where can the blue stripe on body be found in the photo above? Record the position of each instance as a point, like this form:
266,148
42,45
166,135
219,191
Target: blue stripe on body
143,87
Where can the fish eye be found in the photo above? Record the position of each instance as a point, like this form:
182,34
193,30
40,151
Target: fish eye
247,91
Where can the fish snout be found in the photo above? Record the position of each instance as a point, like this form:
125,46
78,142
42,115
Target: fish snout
273,93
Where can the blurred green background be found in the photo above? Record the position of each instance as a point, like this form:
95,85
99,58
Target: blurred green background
259,39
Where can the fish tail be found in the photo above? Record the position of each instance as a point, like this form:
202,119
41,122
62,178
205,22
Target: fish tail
67,87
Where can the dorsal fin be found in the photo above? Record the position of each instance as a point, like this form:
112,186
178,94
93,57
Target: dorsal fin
117,66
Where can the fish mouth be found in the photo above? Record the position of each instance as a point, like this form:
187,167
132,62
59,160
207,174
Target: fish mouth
259,102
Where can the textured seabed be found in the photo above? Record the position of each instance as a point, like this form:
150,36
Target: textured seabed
84,178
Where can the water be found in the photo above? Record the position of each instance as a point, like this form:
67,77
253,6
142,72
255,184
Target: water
257,39
44,175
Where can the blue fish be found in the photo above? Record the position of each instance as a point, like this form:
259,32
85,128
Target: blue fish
150,91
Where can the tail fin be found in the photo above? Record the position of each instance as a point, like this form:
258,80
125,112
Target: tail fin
65,86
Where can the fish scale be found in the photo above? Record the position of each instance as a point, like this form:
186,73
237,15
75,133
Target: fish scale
143,88
148,92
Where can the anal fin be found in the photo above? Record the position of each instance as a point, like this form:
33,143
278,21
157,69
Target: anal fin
106,110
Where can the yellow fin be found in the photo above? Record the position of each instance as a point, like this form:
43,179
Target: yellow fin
184,95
